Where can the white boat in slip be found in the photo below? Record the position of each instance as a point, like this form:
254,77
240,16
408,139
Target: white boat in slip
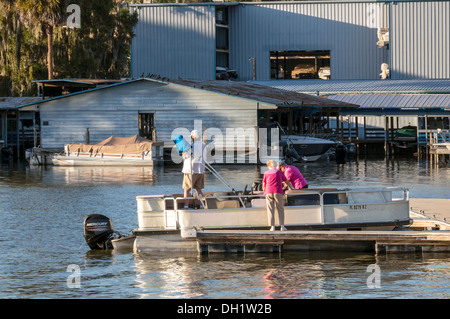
165,225
301,148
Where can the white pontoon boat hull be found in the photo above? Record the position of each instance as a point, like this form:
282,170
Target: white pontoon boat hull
163,223
308,209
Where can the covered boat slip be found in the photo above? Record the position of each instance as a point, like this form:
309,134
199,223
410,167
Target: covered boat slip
304,209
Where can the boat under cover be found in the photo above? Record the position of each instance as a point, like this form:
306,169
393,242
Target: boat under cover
115,151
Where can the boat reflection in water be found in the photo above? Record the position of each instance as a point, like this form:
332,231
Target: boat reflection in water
107,174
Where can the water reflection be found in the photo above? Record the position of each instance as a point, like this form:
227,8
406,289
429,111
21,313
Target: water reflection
170,277
283,284
42,210
249,276
105,175
287,276
417,175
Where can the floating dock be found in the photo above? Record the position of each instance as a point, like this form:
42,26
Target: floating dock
277,241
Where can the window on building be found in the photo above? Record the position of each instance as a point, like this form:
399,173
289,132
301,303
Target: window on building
147,126
433,123
223,71
222,50
300,65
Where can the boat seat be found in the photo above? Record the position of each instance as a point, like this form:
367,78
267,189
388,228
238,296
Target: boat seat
301,200
259,203
180,203
314,199
214,203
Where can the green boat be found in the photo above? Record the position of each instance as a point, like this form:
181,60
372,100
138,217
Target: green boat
407,131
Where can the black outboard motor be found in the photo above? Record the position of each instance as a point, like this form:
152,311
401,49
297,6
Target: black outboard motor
341,153
98,231
6,153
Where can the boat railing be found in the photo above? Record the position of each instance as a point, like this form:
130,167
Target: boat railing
162,211
304,197
143,155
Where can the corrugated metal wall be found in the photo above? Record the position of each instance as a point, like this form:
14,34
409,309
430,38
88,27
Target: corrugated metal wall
348,30
179,40
420,40
115,111
174,41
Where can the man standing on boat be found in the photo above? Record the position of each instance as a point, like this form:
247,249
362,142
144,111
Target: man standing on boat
273,190
194,167
293,175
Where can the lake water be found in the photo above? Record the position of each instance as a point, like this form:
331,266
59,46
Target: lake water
43,248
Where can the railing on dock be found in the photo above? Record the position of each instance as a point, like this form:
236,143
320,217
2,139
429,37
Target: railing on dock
438,136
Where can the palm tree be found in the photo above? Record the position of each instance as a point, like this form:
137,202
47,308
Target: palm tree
47,14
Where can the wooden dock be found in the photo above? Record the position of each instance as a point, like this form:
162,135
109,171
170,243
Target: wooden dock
242,241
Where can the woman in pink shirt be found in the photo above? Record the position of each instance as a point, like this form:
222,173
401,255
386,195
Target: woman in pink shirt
273,190
293,175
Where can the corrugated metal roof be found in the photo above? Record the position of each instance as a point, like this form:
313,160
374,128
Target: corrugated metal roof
325,87
79,81
243,90
11,103
403,101
260,93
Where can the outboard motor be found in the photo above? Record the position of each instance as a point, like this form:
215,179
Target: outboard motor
341,153
6,153
98,231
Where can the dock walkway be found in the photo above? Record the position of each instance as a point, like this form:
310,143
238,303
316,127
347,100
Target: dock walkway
297,240
379,241
432,207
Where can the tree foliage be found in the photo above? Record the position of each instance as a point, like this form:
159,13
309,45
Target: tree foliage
100,48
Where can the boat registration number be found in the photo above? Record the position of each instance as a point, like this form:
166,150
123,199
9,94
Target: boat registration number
358,207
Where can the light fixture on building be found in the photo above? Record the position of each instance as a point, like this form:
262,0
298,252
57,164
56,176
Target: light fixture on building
383,37
384,71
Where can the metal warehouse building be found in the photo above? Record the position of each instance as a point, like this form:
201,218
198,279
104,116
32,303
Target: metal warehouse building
293,40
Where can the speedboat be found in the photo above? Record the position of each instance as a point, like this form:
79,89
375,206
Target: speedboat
301,148
406,131
309,148
164,224
405,137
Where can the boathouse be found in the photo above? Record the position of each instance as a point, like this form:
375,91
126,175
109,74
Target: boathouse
157,109
18,130
385,107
